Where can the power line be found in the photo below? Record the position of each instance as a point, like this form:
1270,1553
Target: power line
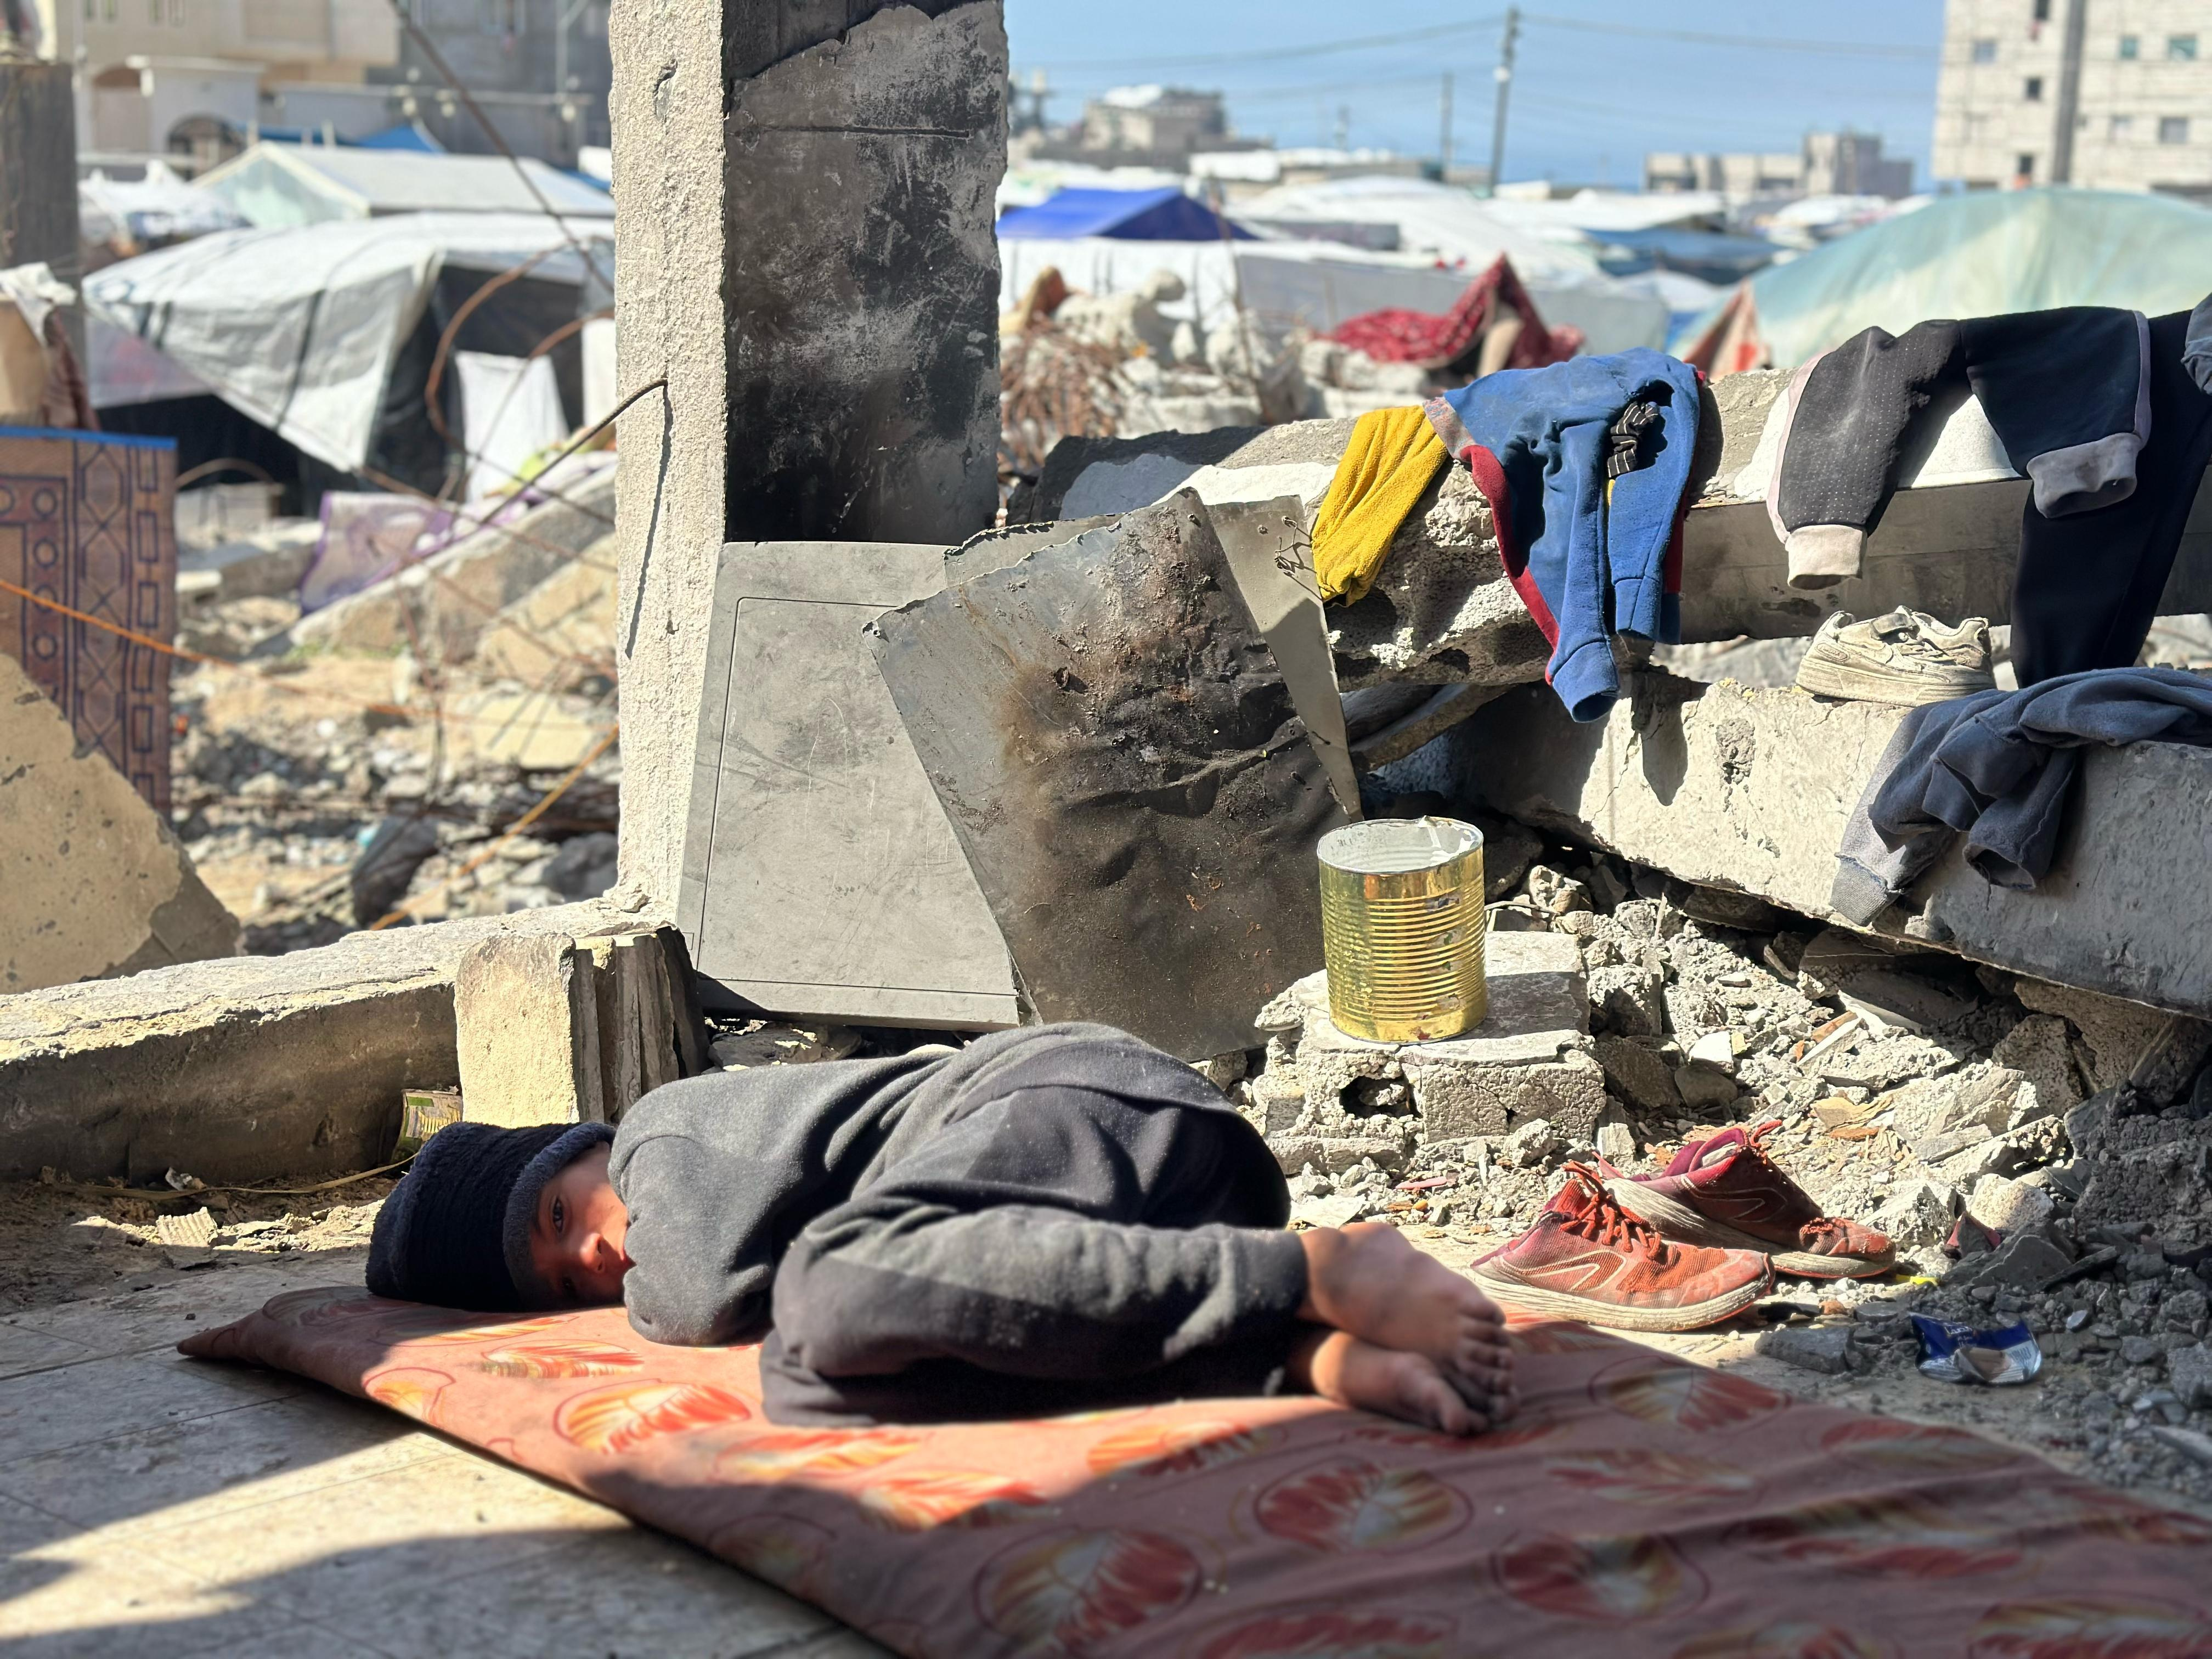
1317,49
1825,48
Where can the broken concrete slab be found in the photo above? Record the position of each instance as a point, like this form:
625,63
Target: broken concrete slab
1118,752
93,884
1734,787
820,878
453,596
561,632
245,1068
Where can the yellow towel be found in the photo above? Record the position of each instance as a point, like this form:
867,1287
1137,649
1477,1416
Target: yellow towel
1393,456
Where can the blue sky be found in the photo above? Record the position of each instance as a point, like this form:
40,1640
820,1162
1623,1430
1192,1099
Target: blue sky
1589,98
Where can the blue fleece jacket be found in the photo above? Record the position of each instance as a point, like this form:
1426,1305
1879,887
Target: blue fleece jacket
1588,561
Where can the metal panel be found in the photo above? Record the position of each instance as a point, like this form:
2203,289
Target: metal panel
1116,745
820,876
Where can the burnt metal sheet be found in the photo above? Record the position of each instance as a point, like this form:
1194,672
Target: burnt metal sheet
1116,746
820,878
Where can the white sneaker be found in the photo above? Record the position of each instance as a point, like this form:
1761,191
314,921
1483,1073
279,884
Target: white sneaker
1906,658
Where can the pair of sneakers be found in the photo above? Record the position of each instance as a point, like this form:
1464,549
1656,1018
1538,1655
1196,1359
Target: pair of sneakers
1690,1247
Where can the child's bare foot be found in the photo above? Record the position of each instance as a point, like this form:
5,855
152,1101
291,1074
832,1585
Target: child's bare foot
1366,1280
1340,1367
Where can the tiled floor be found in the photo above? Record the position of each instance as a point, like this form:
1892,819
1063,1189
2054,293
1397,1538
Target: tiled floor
151,1504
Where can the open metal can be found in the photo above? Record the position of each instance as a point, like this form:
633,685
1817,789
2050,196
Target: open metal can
1402,926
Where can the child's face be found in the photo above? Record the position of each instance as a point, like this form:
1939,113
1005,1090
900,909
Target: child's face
576,1237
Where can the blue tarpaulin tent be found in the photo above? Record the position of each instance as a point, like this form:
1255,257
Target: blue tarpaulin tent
1131,216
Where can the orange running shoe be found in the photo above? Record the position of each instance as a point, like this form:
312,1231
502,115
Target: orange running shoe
1589,1258
1724,1192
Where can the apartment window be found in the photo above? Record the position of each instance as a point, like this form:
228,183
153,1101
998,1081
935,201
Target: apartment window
2042,11
2173,129
2122,128
2033,90
1985,51
2024,165
2181,48
2131,47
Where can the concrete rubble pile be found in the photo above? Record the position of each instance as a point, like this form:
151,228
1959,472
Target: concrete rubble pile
1944,1104
347,772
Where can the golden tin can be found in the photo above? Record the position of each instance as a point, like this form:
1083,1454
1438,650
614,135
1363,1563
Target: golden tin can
1402,924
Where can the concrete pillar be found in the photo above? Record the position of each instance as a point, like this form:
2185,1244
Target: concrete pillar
38,175
806,190
864,280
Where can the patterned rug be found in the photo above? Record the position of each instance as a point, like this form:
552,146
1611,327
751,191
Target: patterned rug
1639,1506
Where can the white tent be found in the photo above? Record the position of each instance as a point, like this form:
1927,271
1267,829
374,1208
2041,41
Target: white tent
1318,286
1440,222
298,328
273,185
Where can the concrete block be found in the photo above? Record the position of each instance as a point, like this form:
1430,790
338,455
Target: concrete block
1729,785
92,883
1528,1059
1816,1348
245,1068
526,1027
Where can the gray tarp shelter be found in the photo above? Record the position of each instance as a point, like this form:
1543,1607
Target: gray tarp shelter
299,328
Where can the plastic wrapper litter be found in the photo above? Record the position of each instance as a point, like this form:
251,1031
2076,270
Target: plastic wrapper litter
1960,1353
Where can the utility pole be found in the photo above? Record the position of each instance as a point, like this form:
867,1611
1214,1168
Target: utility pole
2068,113
1344,126
1505,91
1444,135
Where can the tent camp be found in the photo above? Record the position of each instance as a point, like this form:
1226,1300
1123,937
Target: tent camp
1442,222
1128,216
1983,254
276,185
309,331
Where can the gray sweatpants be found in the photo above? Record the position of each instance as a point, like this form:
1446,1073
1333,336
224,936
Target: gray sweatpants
1060,1249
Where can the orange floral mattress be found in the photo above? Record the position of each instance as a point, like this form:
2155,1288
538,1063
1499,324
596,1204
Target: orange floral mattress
1640,1506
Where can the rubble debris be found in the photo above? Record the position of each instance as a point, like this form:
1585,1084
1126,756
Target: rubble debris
446,603
2100,1211
1119,754
95,884
188,1240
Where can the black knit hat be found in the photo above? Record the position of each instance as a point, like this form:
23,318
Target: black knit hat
456,1230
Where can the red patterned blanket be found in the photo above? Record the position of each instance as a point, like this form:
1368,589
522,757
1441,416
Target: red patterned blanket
1638,1506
